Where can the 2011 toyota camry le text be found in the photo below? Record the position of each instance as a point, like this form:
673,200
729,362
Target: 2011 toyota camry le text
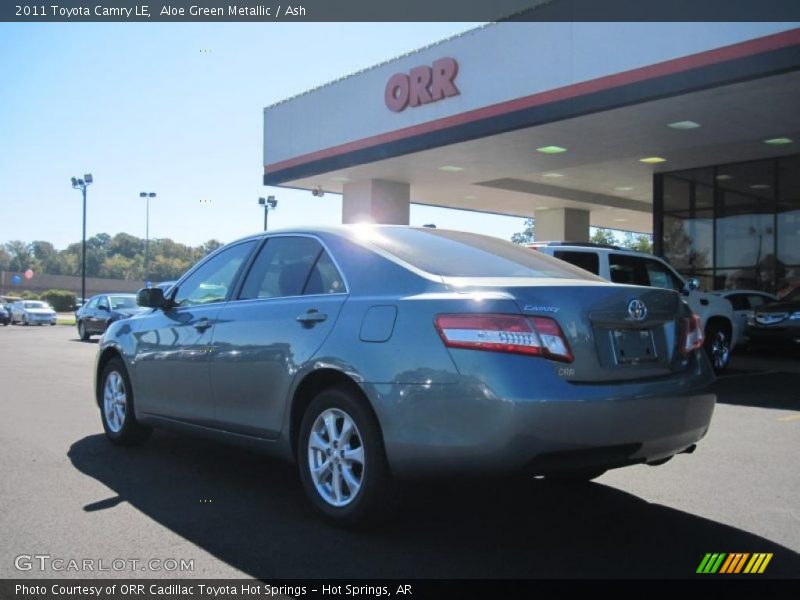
370,354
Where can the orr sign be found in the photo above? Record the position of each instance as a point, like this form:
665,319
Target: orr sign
422,85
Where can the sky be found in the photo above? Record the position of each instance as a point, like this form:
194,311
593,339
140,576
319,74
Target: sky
175,109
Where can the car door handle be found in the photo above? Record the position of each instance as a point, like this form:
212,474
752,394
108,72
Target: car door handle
311,317
202,324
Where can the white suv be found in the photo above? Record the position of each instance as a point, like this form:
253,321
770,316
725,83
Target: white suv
615,264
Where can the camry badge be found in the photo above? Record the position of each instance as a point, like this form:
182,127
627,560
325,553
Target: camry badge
637,310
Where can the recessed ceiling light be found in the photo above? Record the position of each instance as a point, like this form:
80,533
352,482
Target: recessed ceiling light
684,125
470,197
451,169
760,186
542,208
340,179
779,141
551,149
652,160
724,177
552,175
620,220
624,188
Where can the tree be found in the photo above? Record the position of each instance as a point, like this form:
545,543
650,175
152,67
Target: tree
638,241
209,246
117,257
21,257
46,256
125,244
5,260
602,235
526,236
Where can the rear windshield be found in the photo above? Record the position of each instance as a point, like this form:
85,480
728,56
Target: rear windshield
460,254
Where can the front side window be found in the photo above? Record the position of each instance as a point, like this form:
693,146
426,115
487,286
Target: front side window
636,270
102,303
214,278
291,266
659,275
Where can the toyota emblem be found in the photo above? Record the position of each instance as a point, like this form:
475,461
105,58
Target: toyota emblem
637,310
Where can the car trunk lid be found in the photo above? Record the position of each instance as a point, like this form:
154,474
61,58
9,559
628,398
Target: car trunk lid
615,332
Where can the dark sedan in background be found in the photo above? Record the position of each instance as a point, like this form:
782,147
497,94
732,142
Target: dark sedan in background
94,317
777,324
5,315
367,354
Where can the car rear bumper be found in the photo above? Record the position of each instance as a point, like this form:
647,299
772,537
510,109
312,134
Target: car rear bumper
37,320
468,428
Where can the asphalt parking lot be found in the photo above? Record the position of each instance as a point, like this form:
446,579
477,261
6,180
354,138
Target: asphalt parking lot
68,493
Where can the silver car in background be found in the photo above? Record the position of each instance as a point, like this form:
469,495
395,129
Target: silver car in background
368,354
32,312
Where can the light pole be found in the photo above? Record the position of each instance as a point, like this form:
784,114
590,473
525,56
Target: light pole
147,196
268,203
82,184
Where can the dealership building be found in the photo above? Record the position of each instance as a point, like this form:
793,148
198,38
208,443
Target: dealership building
688,131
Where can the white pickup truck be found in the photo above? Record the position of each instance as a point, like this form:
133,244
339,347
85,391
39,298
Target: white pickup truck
722,330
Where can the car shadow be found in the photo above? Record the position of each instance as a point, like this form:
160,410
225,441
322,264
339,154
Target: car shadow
249,511
89,341
759,389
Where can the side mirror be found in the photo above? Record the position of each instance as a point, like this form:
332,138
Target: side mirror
151,298
693,284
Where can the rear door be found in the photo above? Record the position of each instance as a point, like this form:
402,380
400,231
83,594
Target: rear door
287,305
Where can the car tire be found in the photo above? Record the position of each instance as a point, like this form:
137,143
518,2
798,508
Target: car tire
82,332
115,398
576,475
718,346
351,491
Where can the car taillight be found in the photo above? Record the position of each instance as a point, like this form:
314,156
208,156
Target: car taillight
534,336
693,336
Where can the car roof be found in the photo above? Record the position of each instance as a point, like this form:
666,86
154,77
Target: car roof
589,246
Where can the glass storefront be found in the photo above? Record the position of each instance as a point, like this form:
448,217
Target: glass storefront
732,226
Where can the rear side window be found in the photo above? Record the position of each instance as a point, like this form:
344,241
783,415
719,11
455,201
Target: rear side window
460,254
589,261
324,277
291,266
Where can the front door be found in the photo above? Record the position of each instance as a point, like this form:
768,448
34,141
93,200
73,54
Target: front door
172,353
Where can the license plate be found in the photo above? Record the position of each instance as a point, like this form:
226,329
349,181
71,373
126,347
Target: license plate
633,346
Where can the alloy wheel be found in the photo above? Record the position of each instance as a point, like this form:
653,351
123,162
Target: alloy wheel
114,401
336,457
720,350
